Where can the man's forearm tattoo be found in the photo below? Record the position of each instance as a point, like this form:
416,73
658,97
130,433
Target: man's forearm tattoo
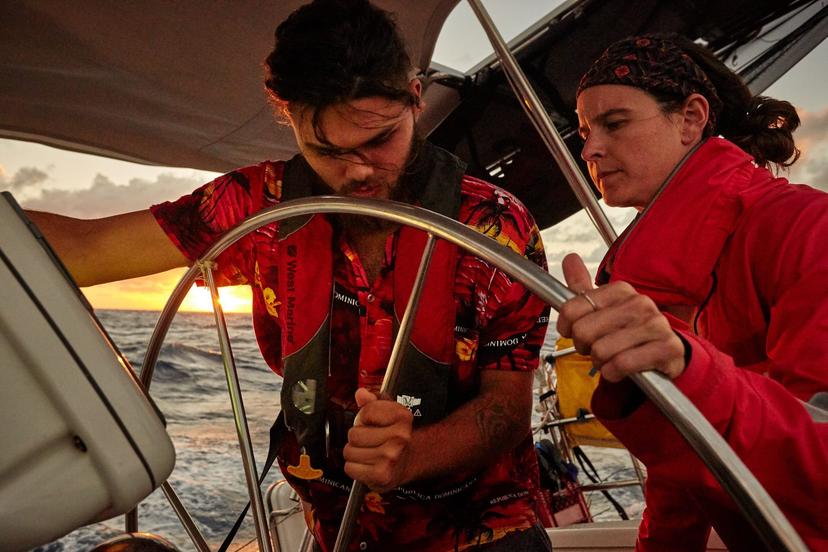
497,420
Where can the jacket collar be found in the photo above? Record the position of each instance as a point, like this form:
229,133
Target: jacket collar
670,250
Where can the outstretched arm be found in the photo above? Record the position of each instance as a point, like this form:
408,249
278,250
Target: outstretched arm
102,250
383,450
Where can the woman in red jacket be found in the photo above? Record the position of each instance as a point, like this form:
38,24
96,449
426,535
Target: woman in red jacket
721,283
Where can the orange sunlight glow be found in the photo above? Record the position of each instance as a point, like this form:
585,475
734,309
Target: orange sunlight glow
152,292
232,299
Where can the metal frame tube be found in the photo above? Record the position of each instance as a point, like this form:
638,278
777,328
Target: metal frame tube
568,421
389,387
307,542
543,124
758,507
234,388
163,324
392,374
185,518
131,521
608,485
562,352
148,370
639,473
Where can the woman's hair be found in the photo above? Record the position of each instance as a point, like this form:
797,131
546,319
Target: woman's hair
671,67
331,51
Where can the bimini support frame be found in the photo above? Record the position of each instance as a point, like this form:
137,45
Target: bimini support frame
735,478
543,124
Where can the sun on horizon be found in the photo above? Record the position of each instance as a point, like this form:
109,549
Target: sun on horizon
232,299
152,292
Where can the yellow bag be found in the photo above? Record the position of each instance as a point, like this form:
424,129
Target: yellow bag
574,388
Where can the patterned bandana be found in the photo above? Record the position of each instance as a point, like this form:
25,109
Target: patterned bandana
653,64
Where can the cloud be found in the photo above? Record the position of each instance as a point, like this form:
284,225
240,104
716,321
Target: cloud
106,197
596,255
162,283
577,235
812,167
23,179
813,172
814,128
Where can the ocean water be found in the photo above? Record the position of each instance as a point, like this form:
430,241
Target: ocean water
190,389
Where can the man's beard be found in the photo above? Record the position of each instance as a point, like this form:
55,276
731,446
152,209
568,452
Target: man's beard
407,189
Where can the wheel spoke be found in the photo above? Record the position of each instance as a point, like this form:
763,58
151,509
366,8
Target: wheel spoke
242,430
389,382
184,517
388,388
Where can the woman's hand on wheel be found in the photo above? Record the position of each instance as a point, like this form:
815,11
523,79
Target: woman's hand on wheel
622,330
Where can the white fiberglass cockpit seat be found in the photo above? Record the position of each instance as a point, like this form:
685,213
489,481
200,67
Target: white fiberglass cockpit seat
81,442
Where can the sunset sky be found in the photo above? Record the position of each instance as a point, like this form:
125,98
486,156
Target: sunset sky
86,186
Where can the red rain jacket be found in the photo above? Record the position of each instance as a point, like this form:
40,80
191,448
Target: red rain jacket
749,253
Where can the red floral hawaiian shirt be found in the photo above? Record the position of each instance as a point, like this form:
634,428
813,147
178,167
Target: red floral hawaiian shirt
499,326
